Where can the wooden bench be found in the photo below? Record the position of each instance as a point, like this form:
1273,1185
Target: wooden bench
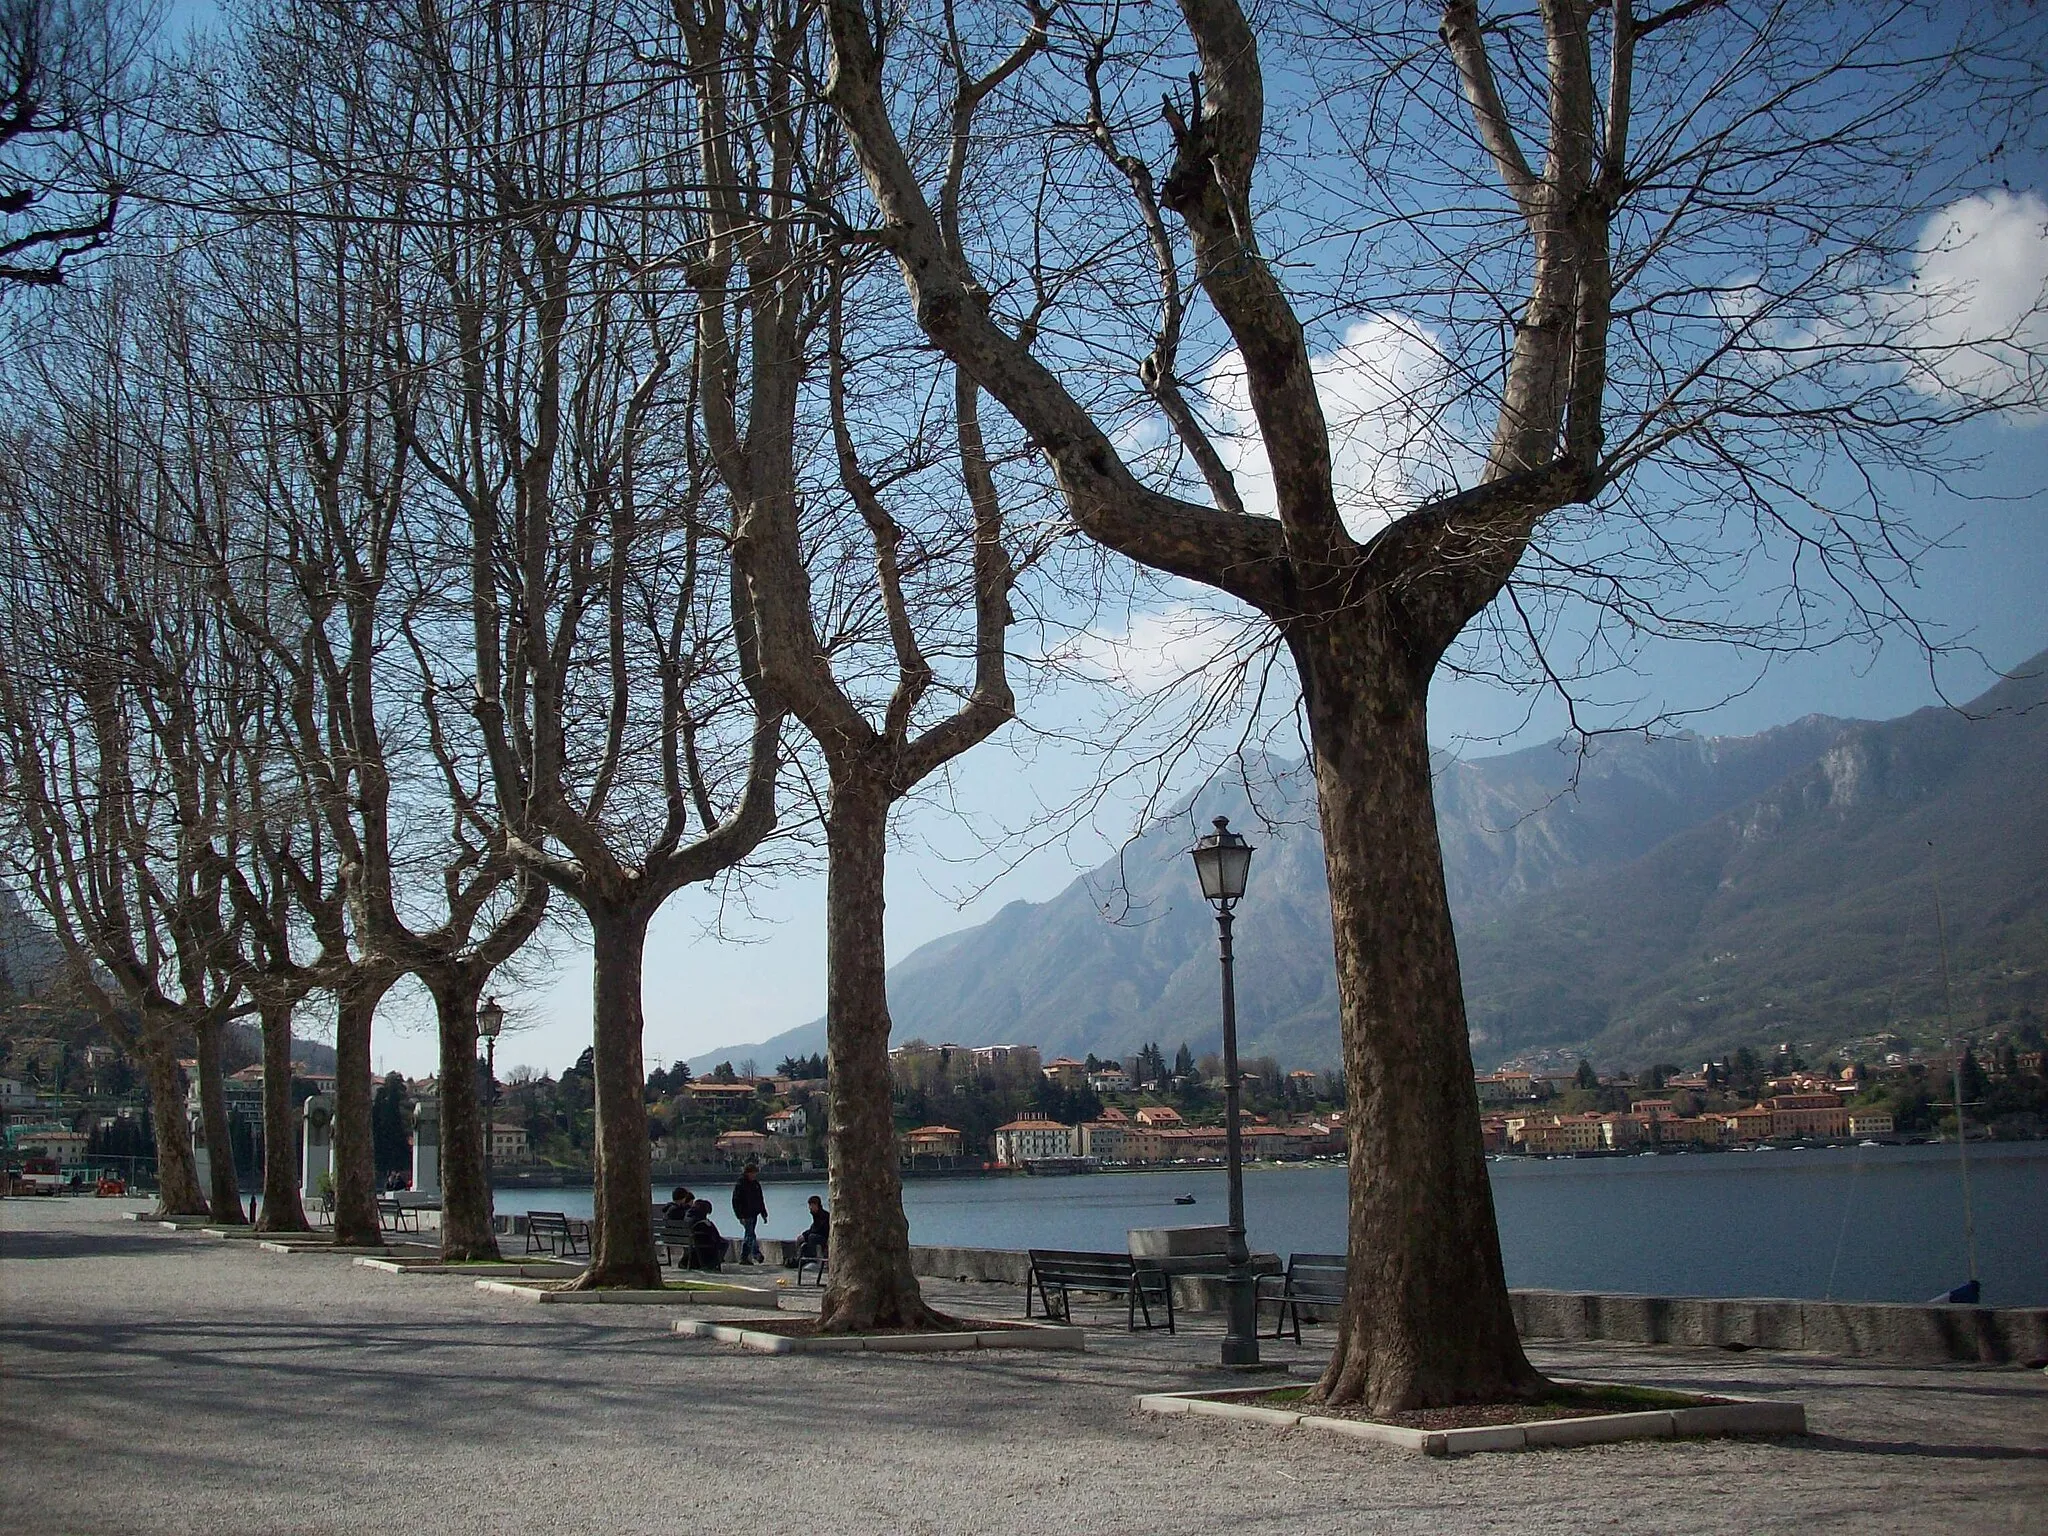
553,1232
1056,1273
1311,1280
398,1216
673,1238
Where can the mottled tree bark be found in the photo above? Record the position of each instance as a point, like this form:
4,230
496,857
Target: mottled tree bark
178,1192
282,1209
871,1284
355,1161
1426,1317
622,1251
466,1229
225,1195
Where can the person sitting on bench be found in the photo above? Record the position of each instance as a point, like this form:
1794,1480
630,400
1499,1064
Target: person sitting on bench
707,1243
815,1241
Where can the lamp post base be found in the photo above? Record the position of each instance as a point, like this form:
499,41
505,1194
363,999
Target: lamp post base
1241,1328
1242,1354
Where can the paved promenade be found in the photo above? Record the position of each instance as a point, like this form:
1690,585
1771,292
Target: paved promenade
158,1382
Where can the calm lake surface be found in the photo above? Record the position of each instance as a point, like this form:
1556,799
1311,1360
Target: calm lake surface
1852,1223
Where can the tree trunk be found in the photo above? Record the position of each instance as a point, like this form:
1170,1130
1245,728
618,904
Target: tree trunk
177,1179
283,1211
622,1251
226,1193
355,1157
466,1230
872,1285
1426,1320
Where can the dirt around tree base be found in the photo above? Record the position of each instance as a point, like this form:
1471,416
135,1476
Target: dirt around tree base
1558,1403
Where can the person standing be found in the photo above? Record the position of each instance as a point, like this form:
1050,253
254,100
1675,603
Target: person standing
750,1205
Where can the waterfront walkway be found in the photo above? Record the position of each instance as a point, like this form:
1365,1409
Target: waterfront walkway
158,1382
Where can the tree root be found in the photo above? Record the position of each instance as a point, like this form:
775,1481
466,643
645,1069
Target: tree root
865,1312
1350,1385
616,1277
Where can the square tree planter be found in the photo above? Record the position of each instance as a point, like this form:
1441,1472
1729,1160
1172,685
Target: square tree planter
677,1293
1741,1417
984,1336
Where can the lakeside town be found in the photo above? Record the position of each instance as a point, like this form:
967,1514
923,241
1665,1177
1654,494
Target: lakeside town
76,1114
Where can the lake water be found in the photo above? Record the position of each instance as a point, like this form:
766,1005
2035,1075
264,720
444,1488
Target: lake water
1852,1223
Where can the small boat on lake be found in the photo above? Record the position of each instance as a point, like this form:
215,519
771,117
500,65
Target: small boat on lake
1183,1199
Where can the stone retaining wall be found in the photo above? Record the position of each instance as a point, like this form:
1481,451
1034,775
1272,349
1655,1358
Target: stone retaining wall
1928,1335
1859,1330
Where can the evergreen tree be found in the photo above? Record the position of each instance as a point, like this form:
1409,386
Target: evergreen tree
390,1145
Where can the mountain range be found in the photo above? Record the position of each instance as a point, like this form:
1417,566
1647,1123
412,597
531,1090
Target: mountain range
1635,900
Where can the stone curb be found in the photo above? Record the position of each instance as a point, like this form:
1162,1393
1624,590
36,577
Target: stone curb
327,1249
721,1296
1035,1336
505,1271
1737,1418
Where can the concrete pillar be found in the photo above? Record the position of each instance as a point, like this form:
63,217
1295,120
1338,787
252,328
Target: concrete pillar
426,1148
319,1113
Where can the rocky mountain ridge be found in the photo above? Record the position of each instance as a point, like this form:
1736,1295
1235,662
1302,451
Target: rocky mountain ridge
1641,899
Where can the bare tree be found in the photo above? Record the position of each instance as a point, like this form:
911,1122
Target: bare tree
332,562
1607,178
937,586
114,708
606,672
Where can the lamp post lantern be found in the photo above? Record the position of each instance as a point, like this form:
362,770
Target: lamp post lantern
1223,861
490,1019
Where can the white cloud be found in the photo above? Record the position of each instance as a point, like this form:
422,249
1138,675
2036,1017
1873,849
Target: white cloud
1975,314
1385,389
1162,648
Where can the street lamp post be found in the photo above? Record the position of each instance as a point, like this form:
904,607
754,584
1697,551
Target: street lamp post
1223,861
490,1018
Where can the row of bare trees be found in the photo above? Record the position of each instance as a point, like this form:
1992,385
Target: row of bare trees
577,451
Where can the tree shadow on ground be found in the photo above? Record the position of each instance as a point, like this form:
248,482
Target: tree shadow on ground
1922,1448
74,1245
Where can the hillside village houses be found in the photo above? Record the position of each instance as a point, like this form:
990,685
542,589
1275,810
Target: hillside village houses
508,1146
1649,1123
16,1095
1033,1139
933,1143
1094,1112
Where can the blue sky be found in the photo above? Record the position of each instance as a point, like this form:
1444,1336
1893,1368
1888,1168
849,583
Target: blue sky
703,992
957,866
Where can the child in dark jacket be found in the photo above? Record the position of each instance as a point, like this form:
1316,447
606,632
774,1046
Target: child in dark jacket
707,1243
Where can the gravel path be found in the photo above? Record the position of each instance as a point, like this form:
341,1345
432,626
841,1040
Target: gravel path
152,1381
